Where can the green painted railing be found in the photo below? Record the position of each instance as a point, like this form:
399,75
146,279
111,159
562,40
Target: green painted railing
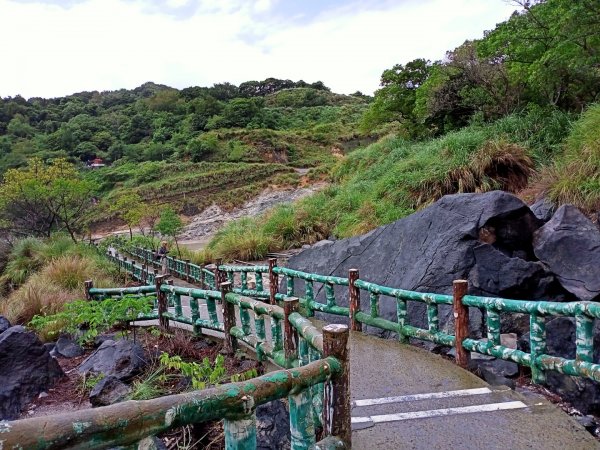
537,359
127,424
310,360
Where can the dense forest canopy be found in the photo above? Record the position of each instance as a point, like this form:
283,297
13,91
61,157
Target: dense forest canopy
547,54
152,122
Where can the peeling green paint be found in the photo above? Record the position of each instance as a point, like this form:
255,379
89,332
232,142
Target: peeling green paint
80,427
537,333
240,434
433,320
584,339
401,314
302,429
493,326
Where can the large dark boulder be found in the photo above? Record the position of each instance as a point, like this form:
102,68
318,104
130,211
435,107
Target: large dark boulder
4,324
460,236
495,273
121,359
543,209
569,245
26,370
109,390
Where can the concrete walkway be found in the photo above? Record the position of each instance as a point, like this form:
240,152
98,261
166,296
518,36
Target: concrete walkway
405,397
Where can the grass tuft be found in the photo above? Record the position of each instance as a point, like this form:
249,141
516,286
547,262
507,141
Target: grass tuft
575,175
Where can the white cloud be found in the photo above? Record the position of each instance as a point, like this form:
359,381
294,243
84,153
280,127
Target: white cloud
177,3
112,44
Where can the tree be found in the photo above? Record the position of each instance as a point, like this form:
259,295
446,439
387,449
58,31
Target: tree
131,209
395,101
41,198
551,46
170,225
240,111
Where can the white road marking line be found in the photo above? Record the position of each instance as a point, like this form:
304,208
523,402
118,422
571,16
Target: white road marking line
439,412
414,397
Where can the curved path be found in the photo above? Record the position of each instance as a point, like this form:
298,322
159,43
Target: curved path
404,397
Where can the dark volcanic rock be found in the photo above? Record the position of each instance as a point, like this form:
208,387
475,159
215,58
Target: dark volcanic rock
121,359
494,273
496,371
569,245
272,426
4,324
26,369
543,209
68,348
109,390
428,250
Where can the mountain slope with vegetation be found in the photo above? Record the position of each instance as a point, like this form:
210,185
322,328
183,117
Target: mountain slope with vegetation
187,148
514,110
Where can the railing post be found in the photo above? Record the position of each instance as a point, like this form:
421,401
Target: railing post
202,285
163,306
228,319
125,268
290,343
144,274
461,321
537,338
336,401
88,285
218,275
584,332
354,300
240,434
187,271
273,281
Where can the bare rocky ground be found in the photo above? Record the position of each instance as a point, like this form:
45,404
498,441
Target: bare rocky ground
212,218
203,226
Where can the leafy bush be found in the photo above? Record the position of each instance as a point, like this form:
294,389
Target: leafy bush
201,374
94,316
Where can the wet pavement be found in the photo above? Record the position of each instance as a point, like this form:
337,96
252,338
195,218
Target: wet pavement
457,410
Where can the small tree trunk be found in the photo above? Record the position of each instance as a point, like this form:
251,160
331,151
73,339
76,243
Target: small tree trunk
177,246
130,234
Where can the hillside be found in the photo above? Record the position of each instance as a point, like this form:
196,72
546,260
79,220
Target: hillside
514,111
185,148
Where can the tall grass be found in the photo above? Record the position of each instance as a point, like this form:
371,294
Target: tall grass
574,177
43,275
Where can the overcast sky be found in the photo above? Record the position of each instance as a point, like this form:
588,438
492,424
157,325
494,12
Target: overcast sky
52,48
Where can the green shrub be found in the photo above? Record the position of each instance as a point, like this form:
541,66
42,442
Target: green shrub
96,316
